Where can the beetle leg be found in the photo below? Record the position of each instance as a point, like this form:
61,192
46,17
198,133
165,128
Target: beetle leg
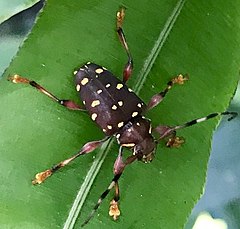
156,99
114,183
114,208
118,167
87,148
66,103
173,141
129,65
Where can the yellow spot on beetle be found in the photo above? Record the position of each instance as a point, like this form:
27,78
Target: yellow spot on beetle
78,87
134,114
120,124
94,116
128,144
109,127
95,103
114,107
119,86
84,81
99,70
150,130
120,103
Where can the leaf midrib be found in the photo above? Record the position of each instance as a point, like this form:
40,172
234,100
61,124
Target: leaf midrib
97,163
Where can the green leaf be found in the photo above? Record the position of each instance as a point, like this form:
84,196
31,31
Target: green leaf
165,38
10,8
223,171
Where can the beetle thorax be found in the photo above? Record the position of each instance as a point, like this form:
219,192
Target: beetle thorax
136,134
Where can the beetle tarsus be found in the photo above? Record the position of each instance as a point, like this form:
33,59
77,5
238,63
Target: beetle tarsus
175,142
40,177
18,79
114,210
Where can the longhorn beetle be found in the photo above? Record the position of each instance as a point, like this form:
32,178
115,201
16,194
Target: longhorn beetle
118,111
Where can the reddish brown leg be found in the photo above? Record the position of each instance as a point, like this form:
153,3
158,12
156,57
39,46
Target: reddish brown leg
66,103
174,141
129,65
87,148
119,167
156,99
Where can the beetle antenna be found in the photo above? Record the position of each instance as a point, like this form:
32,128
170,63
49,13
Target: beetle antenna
213,115
102,197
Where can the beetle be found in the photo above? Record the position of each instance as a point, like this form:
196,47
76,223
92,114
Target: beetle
118,111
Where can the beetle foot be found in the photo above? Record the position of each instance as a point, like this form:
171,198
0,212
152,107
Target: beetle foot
18,79
40,177
120,17
175,142
114,210
180,79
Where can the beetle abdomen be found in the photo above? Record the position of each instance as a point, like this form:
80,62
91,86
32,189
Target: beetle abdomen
110,103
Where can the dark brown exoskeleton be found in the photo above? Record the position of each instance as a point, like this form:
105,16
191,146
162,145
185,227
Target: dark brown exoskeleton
118,111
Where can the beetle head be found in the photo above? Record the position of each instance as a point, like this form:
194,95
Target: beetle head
136,134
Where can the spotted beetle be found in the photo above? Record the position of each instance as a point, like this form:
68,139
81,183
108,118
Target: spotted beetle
118,111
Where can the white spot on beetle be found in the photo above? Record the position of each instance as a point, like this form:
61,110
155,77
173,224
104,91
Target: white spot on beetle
120,124
201,119
99,91
134,114
150,130
86,66
129,130
138,124
95,103
99,70
114,107
119,86
94,116
84,102
130,90
120,103
78,87
139,105
84,81
108,85
109,127
104,68
88,62
104,130
128,144
75,72
118,136
96,76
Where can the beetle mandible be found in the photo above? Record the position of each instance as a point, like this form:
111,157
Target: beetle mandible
118,111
